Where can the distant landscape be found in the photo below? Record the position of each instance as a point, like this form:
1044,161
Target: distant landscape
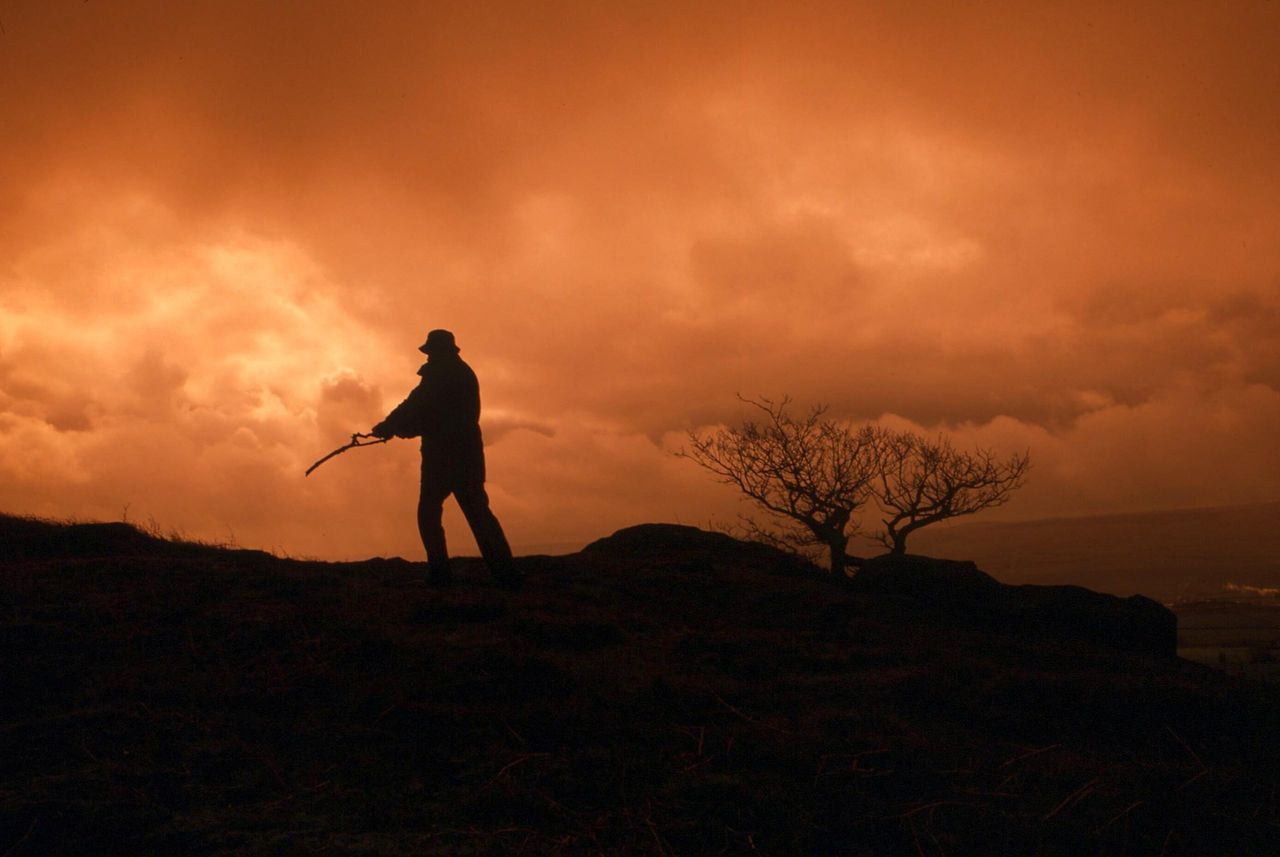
1182,555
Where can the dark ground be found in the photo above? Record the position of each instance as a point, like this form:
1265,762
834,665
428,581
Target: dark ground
170,698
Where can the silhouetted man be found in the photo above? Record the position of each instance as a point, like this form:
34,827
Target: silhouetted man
444,410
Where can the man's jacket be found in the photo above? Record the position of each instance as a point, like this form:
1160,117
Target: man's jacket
444,410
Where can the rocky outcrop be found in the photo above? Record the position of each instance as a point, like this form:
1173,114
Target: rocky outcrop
951,592
1069,613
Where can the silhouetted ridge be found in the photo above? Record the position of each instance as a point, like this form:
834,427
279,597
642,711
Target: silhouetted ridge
32,538
666,683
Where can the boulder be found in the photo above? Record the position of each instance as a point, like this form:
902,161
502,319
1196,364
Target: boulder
1070,613
679,542
662,539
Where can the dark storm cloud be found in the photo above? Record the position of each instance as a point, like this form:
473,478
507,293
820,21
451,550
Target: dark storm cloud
227,226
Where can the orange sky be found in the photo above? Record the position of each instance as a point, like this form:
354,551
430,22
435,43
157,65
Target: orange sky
225,227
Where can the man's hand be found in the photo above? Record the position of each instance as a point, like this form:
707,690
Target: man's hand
381,430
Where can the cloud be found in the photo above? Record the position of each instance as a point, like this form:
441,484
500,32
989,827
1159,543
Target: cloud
1188,447
231,226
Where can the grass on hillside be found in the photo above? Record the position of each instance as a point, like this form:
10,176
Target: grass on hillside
168,698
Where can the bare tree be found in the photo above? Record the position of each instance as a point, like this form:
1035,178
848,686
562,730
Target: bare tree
812,474
809,473
925,481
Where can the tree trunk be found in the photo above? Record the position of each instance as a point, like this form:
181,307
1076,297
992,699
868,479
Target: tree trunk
839,561
899,542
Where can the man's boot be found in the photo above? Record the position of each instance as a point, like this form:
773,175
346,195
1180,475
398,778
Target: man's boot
492,542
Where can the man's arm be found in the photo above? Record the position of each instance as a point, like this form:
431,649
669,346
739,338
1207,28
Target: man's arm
407,418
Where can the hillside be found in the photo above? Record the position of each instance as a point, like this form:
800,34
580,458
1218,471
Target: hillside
1172,555
648,695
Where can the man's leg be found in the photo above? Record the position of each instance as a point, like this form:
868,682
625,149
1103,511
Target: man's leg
492,542
431,496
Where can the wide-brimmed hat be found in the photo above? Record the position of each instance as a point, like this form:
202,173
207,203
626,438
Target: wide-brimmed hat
439,342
